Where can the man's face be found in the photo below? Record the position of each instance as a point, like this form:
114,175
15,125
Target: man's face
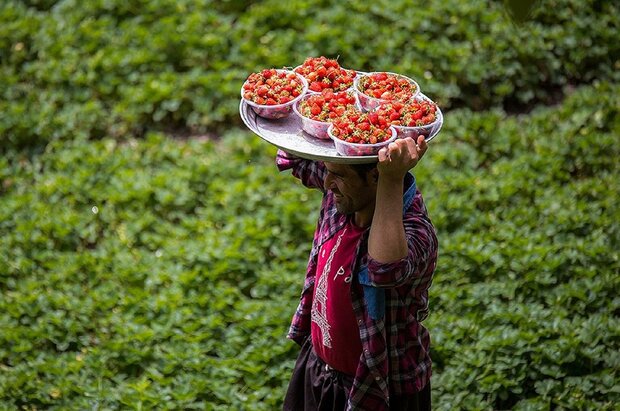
352,192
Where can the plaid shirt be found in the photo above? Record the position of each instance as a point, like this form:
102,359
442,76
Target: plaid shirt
396,359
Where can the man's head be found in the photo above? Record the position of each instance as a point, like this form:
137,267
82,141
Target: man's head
354,187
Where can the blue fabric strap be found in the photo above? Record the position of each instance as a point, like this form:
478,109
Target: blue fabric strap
409,195
374,297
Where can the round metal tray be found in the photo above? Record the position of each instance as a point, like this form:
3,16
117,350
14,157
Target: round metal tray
286,134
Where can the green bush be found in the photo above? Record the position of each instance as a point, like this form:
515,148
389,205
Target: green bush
525,297
139,275
139,271
163,273
115,68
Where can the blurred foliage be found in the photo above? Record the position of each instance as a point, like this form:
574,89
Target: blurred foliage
520,10
141,273
125,67
148,274
525,299
162,273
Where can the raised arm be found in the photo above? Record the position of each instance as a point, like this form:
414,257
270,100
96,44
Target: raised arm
387,241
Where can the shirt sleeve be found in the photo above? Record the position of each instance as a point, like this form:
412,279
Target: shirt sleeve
419,264
310,173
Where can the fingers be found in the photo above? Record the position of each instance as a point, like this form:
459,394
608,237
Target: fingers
412,148
422,146
383,155
400,148
405,149
394,148
390,151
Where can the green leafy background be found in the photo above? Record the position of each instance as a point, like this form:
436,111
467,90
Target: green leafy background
151,256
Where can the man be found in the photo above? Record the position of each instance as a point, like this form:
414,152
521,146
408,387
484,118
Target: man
366,288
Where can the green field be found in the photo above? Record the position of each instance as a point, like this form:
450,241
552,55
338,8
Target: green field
151,256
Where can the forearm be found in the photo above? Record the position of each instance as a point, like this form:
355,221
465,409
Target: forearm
311,173
387,241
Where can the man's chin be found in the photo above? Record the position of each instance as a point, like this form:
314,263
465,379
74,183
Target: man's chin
342,209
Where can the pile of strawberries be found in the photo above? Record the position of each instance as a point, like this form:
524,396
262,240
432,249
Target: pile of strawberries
358,128
414,113
272,87
325,74
327,105
363,114
387,86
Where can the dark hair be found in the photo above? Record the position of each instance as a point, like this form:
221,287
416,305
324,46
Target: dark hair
363,169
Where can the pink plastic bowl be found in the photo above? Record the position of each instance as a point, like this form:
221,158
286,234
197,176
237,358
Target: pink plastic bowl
280,110
353,149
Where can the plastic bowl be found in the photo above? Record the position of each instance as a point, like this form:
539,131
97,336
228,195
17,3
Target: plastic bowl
354,149
427,130
277,111
369,103
315,128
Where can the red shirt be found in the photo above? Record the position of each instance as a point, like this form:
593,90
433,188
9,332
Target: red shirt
335,333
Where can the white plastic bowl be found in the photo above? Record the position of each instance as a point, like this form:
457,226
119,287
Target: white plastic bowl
277,111
315,128
427,130
355,149
369,103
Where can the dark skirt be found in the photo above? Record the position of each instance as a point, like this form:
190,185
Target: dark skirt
315,386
